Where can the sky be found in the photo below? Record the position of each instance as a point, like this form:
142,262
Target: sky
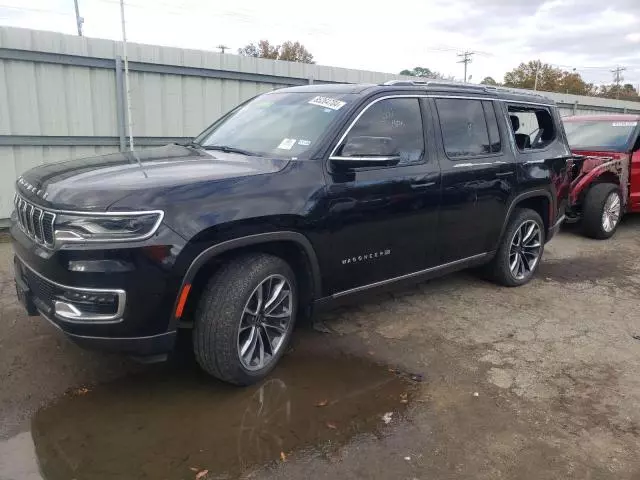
592,36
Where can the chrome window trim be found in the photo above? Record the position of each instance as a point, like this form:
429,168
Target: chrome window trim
86,318
332,155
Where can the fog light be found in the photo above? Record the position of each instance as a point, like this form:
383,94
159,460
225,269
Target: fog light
96,266
90,297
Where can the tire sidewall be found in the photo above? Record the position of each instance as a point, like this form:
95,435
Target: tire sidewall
281,269
235,285
593,209
604,233
521,216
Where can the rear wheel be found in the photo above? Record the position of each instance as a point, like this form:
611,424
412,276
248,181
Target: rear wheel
520,251
602,210
245,318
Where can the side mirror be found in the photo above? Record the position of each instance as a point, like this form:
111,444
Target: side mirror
367,151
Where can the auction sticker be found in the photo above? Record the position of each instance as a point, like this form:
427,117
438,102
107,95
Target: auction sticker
327,102
287,144
624,124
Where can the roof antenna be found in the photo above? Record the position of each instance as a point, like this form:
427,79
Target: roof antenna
128,89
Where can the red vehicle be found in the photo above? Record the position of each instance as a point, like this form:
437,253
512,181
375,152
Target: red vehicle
606,172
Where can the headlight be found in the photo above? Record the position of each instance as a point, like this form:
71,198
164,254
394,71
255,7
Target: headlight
106,228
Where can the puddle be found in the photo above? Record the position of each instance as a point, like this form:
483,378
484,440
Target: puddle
174,423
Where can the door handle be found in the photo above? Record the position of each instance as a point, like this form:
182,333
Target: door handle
504,174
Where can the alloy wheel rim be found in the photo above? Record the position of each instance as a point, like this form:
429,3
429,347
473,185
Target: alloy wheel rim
526,246
611,212
265,322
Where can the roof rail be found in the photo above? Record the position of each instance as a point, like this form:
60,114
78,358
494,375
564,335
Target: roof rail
427,82
449,83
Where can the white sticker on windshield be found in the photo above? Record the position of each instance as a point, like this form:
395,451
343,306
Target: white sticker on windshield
327,102
287,144
624,124
304,143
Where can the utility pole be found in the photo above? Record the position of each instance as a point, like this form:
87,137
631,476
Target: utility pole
617,78
222,48
79,19
466,59
127,86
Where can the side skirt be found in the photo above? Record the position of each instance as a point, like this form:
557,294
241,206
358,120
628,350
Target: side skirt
351,295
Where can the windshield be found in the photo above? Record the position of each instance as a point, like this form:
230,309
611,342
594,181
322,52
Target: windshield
277,124
599,134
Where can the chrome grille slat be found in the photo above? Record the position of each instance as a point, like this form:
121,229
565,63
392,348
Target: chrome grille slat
29,213
36,222
38,213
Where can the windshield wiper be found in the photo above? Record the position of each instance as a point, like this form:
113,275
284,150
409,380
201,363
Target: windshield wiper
228,149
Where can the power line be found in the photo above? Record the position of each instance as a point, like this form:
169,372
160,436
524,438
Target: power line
223,47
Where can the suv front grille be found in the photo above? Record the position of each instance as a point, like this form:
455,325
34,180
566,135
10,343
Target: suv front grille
35,222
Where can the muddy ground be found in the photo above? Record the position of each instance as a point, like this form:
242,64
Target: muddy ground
455,378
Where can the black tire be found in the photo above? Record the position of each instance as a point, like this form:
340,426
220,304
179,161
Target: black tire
499,269
219,312
593,210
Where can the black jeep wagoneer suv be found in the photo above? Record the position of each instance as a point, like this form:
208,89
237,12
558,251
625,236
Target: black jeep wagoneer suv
299,198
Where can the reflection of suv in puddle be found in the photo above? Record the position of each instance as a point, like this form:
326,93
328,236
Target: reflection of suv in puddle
302,197
163,424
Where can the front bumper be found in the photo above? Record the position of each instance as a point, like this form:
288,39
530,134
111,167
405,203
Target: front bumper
139,346
117,311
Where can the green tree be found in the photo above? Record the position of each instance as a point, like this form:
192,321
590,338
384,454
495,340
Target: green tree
623,92
421,72
489,81
294,52
288,51
549,79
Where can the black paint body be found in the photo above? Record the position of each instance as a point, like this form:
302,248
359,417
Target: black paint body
357,229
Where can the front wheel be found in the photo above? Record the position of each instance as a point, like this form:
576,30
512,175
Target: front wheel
601,211
244,318
520,250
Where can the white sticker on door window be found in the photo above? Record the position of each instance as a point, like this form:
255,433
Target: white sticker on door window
327,102
624,124
304,143
287,144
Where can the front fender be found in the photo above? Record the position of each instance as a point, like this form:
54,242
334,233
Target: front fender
256,239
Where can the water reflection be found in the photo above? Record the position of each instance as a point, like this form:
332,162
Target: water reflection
172,423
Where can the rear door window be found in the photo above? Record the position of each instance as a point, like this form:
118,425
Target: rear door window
492,124
464,128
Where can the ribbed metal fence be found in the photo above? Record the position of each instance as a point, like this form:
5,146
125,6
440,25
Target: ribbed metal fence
61,96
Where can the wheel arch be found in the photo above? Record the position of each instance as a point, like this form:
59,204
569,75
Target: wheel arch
539,200
292,246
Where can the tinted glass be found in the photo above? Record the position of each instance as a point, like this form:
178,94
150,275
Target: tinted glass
464,128
278,124
599,134
492,123
396,122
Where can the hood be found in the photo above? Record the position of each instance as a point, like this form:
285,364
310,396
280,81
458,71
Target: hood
95,183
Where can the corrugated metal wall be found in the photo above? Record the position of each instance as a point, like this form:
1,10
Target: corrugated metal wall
60,98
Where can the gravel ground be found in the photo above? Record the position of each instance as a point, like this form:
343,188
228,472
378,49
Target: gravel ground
529,383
